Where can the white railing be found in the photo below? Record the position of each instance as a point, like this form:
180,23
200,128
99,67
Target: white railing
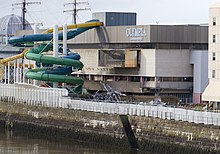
178,114
54,97
32,95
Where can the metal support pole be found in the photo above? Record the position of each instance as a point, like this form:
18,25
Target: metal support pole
55,46
14,77
17,71
5,74
23,65
9,70
65,39
36,31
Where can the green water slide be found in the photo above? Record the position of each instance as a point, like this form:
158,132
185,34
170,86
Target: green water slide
68,62
41,74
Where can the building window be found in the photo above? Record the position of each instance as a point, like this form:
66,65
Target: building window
213,38
121,78
134,78
187,79
214,21
213,56
213,73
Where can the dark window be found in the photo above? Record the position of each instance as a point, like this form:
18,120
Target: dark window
213,56
213,73
149,79
120,78
214,21
134,78
187,79
213,38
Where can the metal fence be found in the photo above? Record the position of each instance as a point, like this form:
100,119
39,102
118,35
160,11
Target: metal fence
54,97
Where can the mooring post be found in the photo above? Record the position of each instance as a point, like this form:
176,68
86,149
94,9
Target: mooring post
128,131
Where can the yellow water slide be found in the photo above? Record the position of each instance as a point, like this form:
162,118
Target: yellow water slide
82,25
6,60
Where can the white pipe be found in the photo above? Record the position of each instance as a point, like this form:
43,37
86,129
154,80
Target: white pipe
36,31
17,71
65,39
5,74
9,70
14,77
6,39
55,41
20,71
64,42
36,28
55,46
6,35
23,70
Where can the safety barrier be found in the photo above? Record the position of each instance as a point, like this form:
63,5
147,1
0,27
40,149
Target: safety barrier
54,97
32,95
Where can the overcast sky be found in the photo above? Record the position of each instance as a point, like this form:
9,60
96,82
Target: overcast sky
148,11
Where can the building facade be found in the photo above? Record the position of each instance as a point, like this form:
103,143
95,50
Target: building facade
146,59
212,91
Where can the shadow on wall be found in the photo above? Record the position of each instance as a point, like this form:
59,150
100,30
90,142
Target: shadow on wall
102,34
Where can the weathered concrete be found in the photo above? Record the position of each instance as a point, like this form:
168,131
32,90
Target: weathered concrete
86,126
201,136
154,135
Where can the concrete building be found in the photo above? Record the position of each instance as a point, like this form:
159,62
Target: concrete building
212,92
147,59
144,59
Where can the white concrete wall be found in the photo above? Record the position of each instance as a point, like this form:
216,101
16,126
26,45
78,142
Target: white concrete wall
210,93
199,60
214,12
89,57
173,63
90,60
147,66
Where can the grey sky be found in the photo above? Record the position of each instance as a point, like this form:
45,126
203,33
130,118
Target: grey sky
149,11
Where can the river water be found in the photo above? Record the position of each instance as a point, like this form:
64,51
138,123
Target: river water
11,144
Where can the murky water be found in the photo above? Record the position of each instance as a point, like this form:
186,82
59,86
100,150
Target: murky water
11,144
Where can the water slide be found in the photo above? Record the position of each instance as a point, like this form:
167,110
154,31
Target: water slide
6,60
68,62
15,40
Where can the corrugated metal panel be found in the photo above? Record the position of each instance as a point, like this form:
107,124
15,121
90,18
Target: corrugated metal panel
116,34
153,34
179,34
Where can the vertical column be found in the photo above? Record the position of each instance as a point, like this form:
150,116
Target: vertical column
5,74
9,70
36,31
14,77
64,42
6,38
17,70
20,70
64,39
23,65
55,46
